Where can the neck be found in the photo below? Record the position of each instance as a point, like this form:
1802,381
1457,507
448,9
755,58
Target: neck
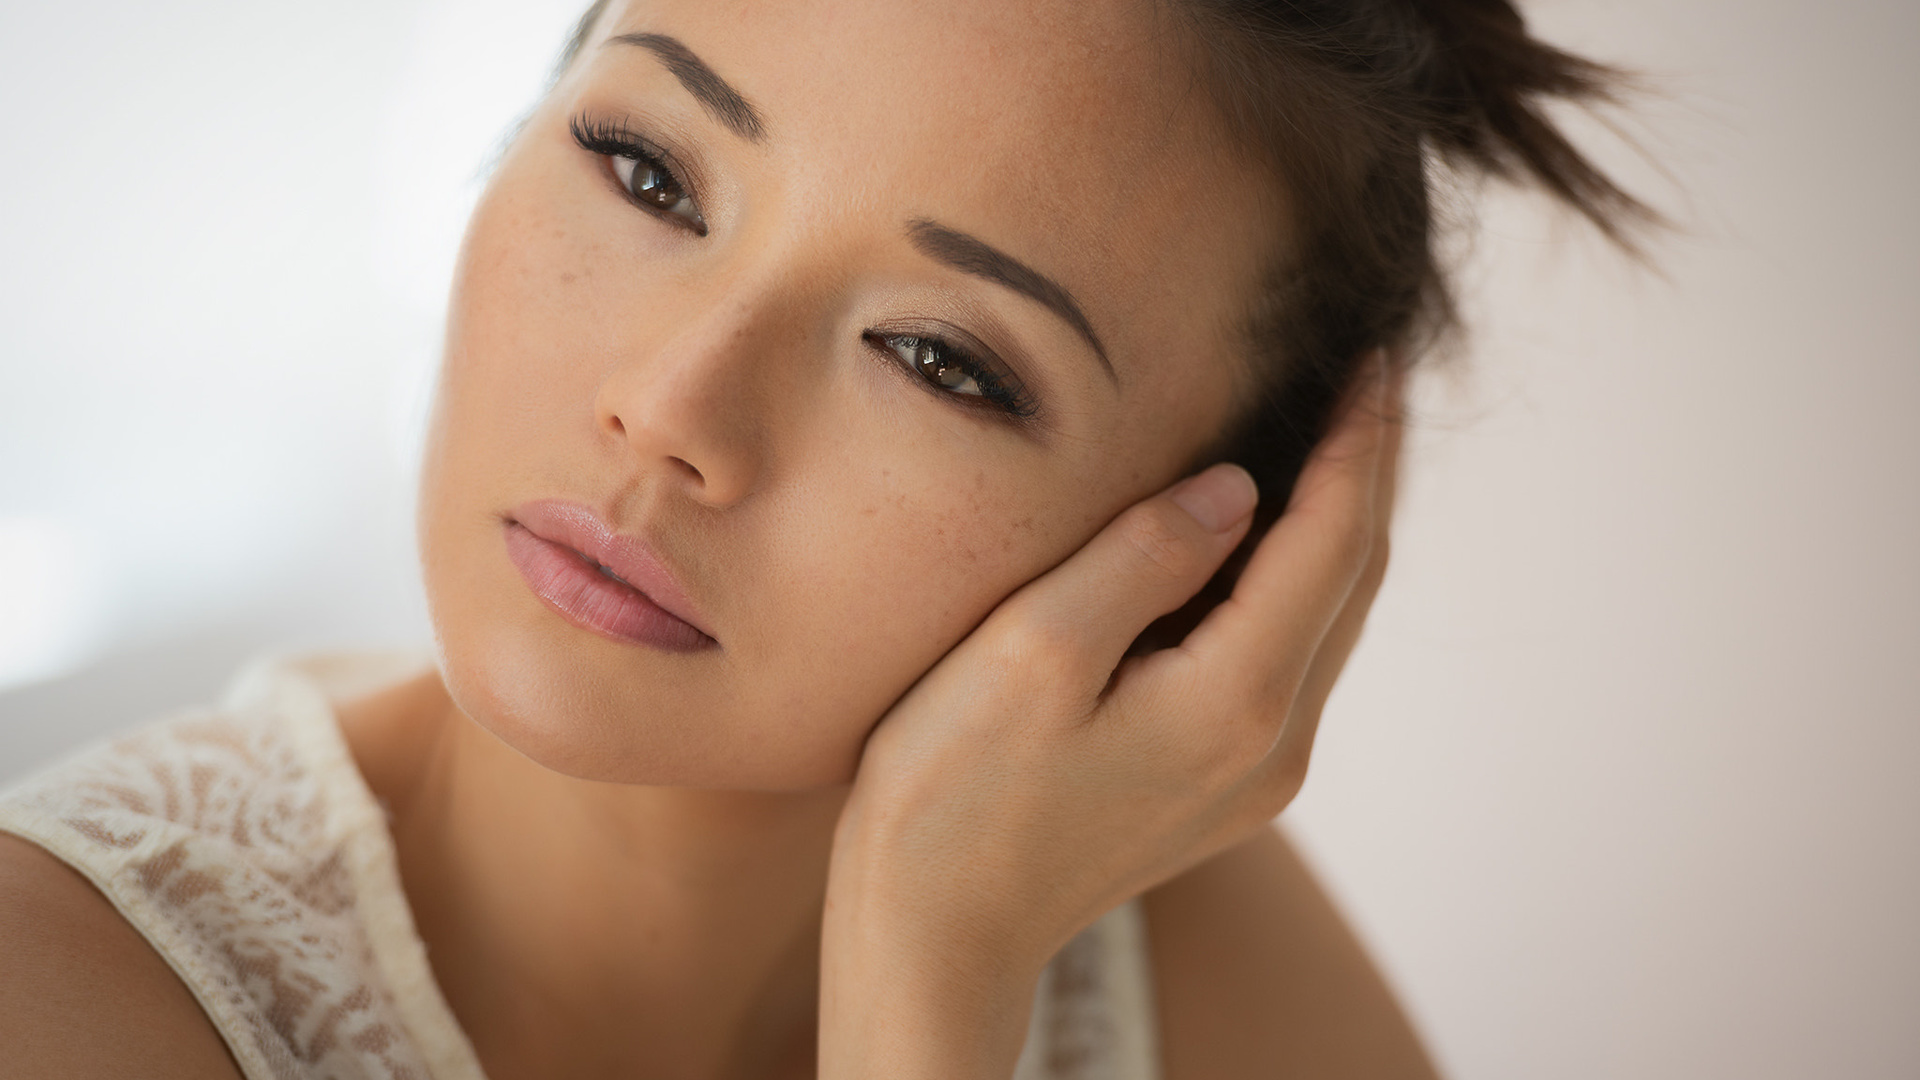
582,928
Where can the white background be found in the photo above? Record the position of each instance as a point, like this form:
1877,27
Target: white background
1621,784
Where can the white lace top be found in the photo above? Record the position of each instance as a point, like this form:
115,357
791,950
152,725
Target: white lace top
243,843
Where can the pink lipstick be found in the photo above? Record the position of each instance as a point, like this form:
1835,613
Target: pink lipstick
601,581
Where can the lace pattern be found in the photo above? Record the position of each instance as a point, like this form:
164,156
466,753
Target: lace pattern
244,845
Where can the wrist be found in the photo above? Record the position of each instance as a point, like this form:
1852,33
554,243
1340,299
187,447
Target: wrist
912,990
903,1005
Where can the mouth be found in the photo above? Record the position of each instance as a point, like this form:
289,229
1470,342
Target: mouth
607,571
601,581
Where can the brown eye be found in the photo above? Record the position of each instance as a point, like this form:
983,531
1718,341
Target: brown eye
936,365
654,186
972,377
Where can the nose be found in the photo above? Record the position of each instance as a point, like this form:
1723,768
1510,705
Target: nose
698,408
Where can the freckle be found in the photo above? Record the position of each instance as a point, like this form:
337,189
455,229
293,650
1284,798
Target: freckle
569,278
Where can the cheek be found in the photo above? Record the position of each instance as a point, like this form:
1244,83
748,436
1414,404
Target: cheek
941,553
524,283
521,362
894,574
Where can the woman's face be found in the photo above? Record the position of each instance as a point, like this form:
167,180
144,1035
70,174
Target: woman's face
846,319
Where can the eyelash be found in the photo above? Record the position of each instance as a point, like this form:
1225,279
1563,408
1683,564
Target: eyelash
997,391
614,140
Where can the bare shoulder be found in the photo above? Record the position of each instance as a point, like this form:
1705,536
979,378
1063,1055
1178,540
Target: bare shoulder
1259,976
82,994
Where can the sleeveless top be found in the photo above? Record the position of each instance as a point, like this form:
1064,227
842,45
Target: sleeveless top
243,844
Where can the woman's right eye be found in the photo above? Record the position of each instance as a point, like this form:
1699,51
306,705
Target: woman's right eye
642,172
653,185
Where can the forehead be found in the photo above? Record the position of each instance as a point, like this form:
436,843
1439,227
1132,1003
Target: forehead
1072,133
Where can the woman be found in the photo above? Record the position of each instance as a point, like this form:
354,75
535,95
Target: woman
827,656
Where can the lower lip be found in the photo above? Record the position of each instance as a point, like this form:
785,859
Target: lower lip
572,585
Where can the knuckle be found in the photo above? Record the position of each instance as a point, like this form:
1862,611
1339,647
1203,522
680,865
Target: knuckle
1236,755
1272,696
1351,539
1049,649
1353,528
1284,780
1375,570
1236,747
1163,545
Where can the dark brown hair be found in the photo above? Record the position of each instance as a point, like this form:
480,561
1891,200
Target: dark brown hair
1363,108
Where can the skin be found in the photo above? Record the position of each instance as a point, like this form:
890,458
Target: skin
713,394
845,839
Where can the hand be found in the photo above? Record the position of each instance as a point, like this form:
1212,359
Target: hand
1036,777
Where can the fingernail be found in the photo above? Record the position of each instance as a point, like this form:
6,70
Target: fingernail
1219,498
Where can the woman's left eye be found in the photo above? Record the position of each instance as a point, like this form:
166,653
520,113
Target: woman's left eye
953,371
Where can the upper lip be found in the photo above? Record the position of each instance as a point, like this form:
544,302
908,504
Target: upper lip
577,527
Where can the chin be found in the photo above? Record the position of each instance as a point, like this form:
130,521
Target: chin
595,711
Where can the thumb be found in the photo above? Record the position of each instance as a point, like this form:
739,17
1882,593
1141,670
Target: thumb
1147,562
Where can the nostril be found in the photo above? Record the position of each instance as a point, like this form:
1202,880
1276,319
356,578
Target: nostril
688,466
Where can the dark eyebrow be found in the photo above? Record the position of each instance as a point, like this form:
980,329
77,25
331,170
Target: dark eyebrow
723,101
974,256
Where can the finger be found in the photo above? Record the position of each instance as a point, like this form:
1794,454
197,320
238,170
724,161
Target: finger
1145,563
1279,776
1301,575
1344,635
